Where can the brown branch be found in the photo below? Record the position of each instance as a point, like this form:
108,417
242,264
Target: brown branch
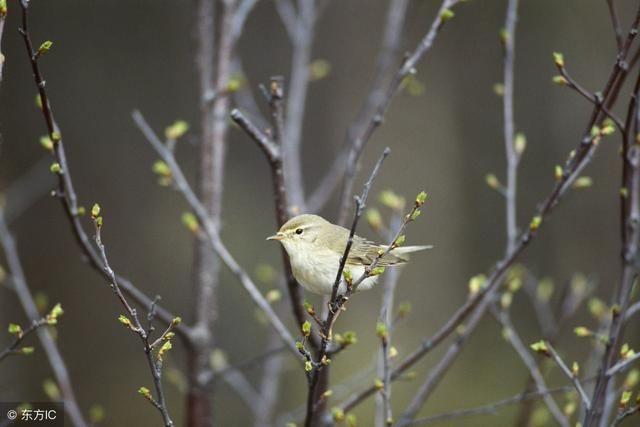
49,345
155,366
211,234
337,301
630,212
274,151
615,21
66,192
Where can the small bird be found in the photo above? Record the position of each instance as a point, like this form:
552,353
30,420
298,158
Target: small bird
315,246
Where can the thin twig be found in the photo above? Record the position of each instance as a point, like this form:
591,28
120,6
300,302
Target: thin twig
384,414
49,345
12,349
573,378
154,365
66,192
337,301
615,21
211,233
625,414
514,339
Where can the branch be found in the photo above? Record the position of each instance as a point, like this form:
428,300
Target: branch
572,377
336,302
515,340
3,17
49,345
210,231
66,192
615,21
144,334
272,147
630,213
513,157
375,119
20,337
383,404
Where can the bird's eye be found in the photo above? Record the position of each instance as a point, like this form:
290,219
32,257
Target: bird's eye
299,231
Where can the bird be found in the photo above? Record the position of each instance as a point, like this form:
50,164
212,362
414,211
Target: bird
315,247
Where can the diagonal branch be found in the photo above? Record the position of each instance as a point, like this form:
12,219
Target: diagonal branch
49,345
211,233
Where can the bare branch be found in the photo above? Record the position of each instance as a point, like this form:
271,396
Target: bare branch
615,21
573,378
514,339
154,365
508,41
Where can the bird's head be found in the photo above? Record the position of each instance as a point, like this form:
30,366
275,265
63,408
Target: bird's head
301,230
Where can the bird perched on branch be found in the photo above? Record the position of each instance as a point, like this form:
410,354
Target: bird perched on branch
315,247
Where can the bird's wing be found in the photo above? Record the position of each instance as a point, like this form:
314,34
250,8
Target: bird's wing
364,252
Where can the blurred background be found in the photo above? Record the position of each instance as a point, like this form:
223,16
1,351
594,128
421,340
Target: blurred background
111,57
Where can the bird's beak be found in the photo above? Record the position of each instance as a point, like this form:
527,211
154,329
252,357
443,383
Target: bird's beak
278,236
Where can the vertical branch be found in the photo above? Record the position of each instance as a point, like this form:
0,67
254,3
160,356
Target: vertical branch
213,58
3,17
301,57
615,21
508,40
384,414
198,411
50,347
630,236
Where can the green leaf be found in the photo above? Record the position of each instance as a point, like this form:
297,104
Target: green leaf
306,328
540,347
45,47
95,210
176,130
15,329
558,59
